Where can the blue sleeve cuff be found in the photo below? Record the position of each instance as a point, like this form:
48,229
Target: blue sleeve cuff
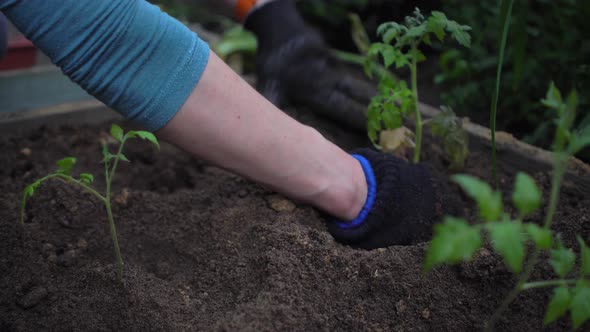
371,194
128,54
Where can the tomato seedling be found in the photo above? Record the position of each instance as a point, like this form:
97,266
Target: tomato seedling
85,180
401,47
455,240
455,139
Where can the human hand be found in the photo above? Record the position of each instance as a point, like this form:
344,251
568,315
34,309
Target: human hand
294,65
408,200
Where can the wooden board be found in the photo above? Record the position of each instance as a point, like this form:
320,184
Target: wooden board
516,155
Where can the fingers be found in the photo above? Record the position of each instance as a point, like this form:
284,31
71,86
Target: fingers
336,105
360,90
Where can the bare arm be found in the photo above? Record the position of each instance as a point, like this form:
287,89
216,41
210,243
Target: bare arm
227,122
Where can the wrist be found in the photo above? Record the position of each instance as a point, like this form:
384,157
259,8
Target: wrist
339,187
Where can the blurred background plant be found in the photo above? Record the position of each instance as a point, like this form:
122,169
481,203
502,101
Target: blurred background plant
548,40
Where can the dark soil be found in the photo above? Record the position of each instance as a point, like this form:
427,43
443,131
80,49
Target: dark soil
205,250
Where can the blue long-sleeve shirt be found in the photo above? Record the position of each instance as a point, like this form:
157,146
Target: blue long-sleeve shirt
127,53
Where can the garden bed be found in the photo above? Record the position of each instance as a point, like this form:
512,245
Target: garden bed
207,250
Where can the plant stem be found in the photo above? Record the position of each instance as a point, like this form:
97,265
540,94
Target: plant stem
108,178
505,14
558,172
547,283
414,70
66,179
114,237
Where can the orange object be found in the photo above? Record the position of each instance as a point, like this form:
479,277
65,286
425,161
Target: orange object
243,8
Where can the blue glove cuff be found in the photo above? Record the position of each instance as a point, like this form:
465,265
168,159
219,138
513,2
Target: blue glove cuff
371,193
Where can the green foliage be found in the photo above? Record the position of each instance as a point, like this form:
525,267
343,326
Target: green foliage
488,201
505,14
585,258
542,237
508,240
562,259
235,40
400,47
526,196
85,180
546,43
65,165
580,306
455,139
455,240
558,305
567,140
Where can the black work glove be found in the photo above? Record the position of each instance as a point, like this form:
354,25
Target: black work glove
408,200
294,65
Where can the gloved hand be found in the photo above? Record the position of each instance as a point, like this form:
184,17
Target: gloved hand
294,65
403,204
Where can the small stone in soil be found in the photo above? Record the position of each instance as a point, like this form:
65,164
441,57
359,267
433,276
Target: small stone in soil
65,222
400,306
82,244
426,313
122,198
33,297
280,204
68,258
26,152
52,258
47,249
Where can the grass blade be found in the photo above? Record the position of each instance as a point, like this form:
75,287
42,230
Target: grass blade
505,14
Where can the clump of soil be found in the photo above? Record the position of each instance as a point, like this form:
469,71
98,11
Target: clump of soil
207,250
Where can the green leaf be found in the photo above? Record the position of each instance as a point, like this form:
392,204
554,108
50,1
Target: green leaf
579,140
558,305
584,257
145,135
416,32
389,30
526,195
489,202
117,132
454,241
29,190
508,240
553,98
562,259
107,156
86,178
389,55
122,157
417,55
580,306
66,164
235,40
459,33
542,237
436,24
391,116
